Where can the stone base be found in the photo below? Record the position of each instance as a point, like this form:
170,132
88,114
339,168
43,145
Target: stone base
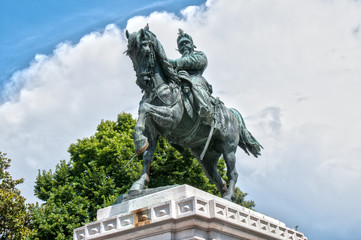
186,213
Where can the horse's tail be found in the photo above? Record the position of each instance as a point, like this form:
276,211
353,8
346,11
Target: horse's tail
246,141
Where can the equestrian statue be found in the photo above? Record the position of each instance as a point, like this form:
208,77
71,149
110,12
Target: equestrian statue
177,104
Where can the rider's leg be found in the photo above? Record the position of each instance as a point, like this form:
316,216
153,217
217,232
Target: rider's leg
203,102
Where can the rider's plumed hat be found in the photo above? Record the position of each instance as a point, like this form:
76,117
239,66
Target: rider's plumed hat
182,36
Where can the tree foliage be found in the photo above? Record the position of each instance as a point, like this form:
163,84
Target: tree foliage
14,217
97,174
239,197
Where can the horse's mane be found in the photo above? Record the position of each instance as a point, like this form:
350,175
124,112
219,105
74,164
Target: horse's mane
134,43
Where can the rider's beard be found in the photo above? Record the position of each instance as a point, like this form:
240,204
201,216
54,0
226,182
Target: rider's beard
185,51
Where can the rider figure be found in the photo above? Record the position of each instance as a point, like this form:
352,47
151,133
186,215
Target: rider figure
190,68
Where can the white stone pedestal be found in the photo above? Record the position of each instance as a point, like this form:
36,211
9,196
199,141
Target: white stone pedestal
185,213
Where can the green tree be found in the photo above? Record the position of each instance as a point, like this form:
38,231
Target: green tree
96,175
14,217
239,198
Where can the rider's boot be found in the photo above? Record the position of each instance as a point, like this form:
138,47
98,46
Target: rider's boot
205,107
206,115
202,98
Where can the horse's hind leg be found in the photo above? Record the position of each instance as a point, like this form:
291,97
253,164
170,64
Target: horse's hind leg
209,165
230,159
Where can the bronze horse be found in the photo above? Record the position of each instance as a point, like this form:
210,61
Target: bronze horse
162,112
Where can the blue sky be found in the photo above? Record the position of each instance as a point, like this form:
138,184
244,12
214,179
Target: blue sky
32,27
292,68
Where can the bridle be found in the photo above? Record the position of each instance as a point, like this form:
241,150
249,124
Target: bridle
145,64
144,60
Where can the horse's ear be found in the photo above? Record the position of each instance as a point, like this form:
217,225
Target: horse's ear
147,27
142,33
127,34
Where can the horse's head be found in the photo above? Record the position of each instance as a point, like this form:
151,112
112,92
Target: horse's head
141,52
149,58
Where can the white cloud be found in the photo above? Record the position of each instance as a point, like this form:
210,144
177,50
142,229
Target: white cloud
291,68
64,97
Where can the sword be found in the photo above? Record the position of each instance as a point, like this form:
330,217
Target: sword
208,140
210,132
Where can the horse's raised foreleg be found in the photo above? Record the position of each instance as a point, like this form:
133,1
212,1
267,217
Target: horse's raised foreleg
166,117
143,181
141,141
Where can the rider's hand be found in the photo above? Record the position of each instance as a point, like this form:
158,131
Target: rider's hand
173,62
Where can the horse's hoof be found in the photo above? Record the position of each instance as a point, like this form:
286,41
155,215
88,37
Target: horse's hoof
141,145
134,192
228,197
136,189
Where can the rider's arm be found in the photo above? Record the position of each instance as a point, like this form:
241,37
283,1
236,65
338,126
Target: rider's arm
196,61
